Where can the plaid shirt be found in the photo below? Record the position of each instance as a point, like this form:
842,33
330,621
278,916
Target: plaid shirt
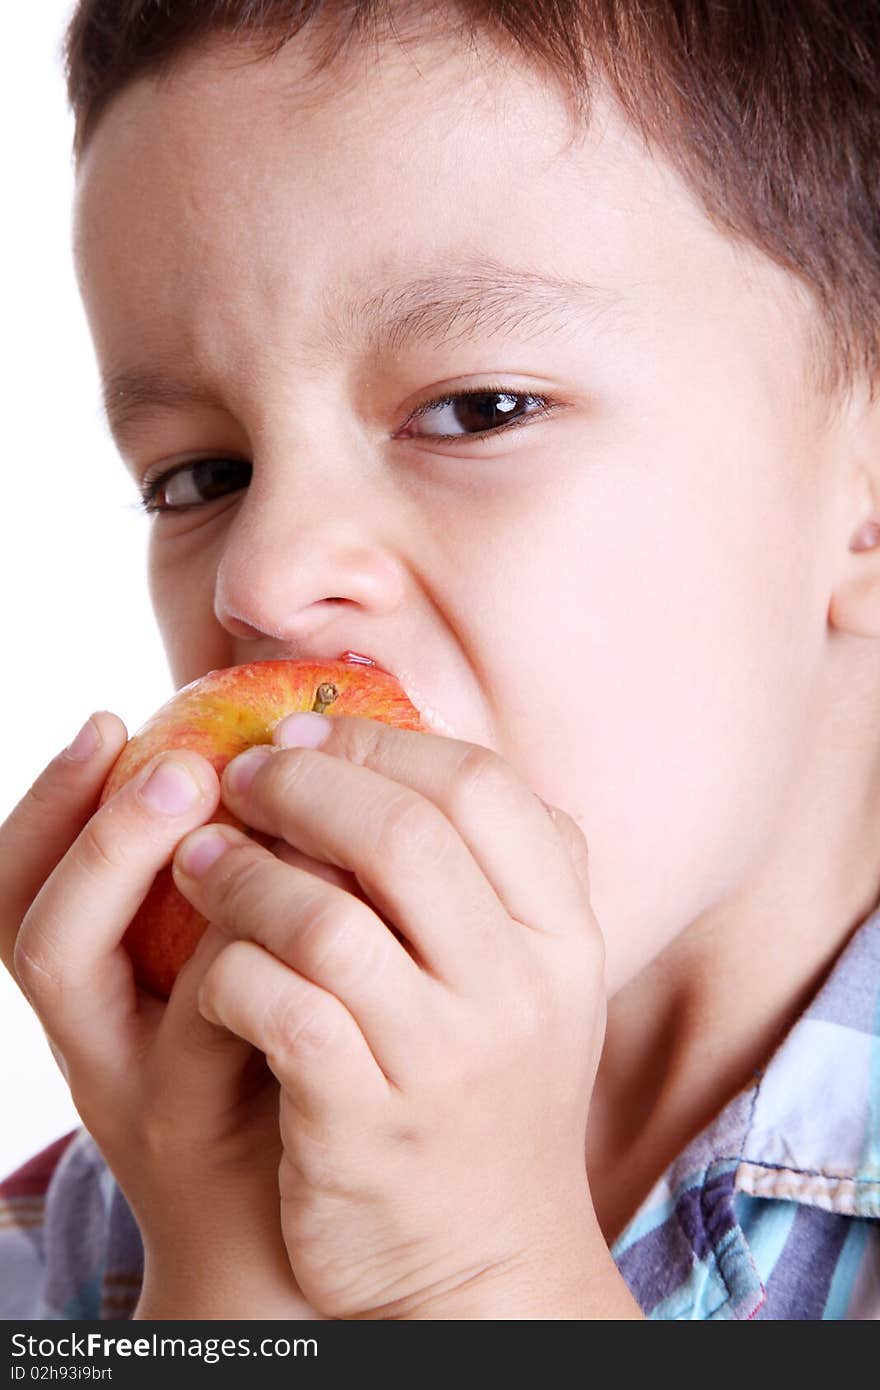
773,1211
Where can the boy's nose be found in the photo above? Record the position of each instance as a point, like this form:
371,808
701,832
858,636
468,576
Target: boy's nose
284,574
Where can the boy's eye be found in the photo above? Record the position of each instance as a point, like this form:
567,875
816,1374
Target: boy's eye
469,413
194,484
474,415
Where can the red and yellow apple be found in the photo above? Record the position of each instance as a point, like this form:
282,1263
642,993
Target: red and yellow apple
219,716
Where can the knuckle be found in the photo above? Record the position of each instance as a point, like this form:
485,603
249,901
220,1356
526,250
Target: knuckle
37,808
594,946
38,799
363,741
574,840
411,828
36,967
118,834
237,887
572,832
582,959
301,1027
278,776
227,969
480,776
100,849
339,943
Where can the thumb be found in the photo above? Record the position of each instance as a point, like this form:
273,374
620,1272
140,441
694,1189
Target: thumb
41,829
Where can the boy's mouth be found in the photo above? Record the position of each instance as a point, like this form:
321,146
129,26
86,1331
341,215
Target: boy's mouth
429,716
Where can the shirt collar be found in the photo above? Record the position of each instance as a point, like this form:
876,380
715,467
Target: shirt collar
813,1127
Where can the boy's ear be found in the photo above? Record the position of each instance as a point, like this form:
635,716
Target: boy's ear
855,601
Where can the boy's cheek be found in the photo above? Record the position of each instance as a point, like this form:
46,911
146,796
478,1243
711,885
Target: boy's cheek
678,808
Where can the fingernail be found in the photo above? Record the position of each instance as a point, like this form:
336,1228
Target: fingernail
242,770
87,742
171,789
303,731
200,851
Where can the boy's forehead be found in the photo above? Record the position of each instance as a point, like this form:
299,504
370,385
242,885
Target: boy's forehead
223,91
391,201
458,151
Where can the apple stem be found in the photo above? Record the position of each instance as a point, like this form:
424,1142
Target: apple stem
325,696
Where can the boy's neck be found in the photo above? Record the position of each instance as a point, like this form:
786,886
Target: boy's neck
690,1031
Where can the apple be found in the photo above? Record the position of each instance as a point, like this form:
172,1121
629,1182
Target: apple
219,715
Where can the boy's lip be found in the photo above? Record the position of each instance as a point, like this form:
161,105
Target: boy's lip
356,658
430,717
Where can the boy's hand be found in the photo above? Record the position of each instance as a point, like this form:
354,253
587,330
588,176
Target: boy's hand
425,976
185,1114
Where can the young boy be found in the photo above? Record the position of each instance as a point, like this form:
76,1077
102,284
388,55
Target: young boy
528,351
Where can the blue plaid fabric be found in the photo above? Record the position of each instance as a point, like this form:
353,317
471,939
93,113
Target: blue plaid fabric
772,1212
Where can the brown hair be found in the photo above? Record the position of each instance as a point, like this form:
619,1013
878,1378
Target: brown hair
768,109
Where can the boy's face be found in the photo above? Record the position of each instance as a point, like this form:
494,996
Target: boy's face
623,597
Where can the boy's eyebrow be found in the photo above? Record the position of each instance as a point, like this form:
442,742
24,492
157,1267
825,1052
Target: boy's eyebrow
477,298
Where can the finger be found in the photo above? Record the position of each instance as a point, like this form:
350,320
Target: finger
447,840
311,1042
574,840
210,1067
328,872
502,822
69,955
408,858
326,935
42,827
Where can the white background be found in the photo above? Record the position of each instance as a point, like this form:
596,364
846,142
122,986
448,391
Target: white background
78,631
